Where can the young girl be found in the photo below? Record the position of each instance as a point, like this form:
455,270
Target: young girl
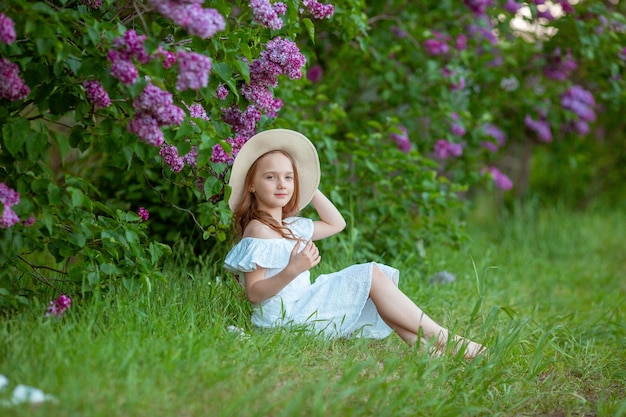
274,175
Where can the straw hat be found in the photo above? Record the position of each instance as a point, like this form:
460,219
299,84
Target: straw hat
295,144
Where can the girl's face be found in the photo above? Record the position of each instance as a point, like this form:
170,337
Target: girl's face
273,182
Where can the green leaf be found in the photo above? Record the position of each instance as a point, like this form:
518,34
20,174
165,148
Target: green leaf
77,239
13,134
109,269
76,195
310,28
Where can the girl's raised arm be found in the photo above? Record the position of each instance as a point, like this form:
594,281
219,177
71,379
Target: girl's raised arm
331,221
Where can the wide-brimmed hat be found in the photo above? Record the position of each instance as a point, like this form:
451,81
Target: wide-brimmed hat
298,146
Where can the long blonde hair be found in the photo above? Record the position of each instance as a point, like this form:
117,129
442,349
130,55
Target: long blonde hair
247,209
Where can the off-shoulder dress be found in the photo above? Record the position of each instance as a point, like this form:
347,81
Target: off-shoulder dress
334,305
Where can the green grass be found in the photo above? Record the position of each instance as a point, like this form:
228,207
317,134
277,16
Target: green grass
543,289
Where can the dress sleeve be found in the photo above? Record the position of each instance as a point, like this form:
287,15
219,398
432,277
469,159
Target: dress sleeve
251,253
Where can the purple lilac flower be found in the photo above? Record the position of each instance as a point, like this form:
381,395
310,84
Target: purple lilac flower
29,222
171,158
436,46
96,94
169,58
545,14
566,6
147,128
267,14
559,67
314,74
318,10
457,129
262,98
159,104
579,101
541,127
57,307
9,218
286,55
500,180
197,111
191,16
191,158
490,146
512,6
219,154
242,123
7,29
486,33
130,46
12,86
221,92
194,71
496,133
94,4
8,196
143,213
478,7
398,32
122,69
461,42
402,139
444,149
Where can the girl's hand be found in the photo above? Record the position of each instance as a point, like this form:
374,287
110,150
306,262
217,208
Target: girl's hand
304,260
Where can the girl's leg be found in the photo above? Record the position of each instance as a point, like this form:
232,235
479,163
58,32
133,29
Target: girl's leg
406,318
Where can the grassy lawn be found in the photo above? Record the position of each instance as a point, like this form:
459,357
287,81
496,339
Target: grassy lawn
543,289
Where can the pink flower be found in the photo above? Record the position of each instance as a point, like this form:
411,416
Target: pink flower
267,14
143,213
8,196
171,158
96,94
541,127
29,222
500,180
12,86
7,29
444,149
193,71
147,128
242,123
317,9
57,307
219,154
221,92
190,15
402,139
315,74
9,218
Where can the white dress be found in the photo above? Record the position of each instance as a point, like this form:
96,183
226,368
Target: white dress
335,305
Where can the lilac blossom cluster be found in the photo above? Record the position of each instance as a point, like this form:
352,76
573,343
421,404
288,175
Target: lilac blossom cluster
512,6
193,71
96,94
445,149
57,307
268,14
280,57
125,48
559,66
7,30
500,180
175,161
197,111
154,109
317,9
540,126
580,102
478,7
402,139
94,4
191,16
169,58
242,122
12,87
219,155
9,198
456,128
495,132
143,213
221,92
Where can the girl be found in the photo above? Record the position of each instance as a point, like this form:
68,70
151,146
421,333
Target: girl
274,175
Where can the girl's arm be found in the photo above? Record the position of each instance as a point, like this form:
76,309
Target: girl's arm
331,221
259,289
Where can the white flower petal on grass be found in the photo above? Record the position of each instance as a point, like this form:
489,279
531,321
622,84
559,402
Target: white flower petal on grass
25,394
239,331
4,381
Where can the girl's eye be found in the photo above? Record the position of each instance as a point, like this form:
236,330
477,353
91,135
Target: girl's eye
289,177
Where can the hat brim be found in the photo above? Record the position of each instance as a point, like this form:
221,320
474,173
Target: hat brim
298,146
